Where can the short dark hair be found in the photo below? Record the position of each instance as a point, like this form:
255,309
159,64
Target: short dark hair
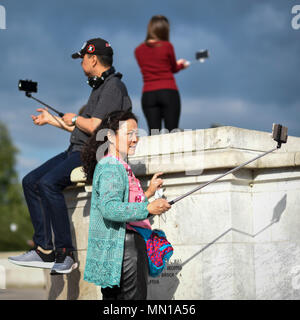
106,61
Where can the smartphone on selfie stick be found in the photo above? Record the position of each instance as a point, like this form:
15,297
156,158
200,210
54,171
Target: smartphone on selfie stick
29,87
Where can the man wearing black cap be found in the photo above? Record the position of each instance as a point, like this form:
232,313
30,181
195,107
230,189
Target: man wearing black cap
43,187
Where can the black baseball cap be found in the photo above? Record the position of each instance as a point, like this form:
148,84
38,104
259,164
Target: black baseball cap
96,46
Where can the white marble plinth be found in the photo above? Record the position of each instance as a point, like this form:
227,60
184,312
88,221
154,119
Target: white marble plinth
237,238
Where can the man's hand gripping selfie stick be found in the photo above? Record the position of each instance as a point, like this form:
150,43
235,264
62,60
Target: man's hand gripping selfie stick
29,87
279,134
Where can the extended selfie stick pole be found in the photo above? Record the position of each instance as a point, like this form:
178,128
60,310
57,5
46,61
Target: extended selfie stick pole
219,177
279,135
29,95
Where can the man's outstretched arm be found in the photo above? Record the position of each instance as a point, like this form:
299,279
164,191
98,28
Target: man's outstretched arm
45,117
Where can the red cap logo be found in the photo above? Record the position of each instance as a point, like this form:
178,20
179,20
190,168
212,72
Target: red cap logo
90,48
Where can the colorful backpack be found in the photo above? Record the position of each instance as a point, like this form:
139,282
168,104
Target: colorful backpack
159,249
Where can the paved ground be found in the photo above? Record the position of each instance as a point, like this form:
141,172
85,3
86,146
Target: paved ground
23,294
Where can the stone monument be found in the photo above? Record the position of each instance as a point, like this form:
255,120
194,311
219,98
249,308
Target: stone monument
237,238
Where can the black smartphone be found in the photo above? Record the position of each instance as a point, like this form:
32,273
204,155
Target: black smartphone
27,85
202,54
279,133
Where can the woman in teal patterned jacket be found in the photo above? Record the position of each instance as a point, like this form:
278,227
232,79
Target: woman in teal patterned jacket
116,254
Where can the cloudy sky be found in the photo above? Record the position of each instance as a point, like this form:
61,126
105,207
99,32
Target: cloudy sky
250,80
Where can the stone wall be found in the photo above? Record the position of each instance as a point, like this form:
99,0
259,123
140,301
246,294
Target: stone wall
237,238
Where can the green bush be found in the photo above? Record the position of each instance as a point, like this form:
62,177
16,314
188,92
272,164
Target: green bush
15,223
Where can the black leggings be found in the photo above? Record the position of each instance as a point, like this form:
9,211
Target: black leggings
161,104
134,276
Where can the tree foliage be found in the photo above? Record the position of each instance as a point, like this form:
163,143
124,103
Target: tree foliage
15,223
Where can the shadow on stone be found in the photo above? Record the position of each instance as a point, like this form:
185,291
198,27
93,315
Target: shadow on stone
277,213
57,284
73,280
279,209
165,286
61,283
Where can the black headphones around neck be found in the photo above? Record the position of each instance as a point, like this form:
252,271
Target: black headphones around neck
95,82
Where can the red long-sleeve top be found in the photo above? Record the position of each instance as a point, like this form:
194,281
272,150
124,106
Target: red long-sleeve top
157,63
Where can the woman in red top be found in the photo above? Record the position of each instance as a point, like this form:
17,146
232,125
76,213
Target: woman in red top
156,58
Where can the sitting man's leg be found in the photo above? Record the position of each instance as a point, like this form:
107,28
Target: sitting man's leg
51,188
42,255
43,189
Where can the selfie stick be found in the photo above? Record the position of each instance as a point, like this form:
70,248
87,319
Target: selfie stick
29,95
279,135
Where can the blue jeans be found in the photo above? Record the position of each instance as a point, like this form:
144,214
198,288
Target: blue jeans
43,190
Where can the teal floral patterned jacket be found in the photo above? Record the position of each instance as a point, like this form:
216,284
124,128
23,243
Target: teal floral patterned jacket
110,210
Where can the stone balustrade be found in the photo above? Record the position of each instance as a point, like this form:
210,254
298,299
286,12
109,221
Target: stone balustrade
237,238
